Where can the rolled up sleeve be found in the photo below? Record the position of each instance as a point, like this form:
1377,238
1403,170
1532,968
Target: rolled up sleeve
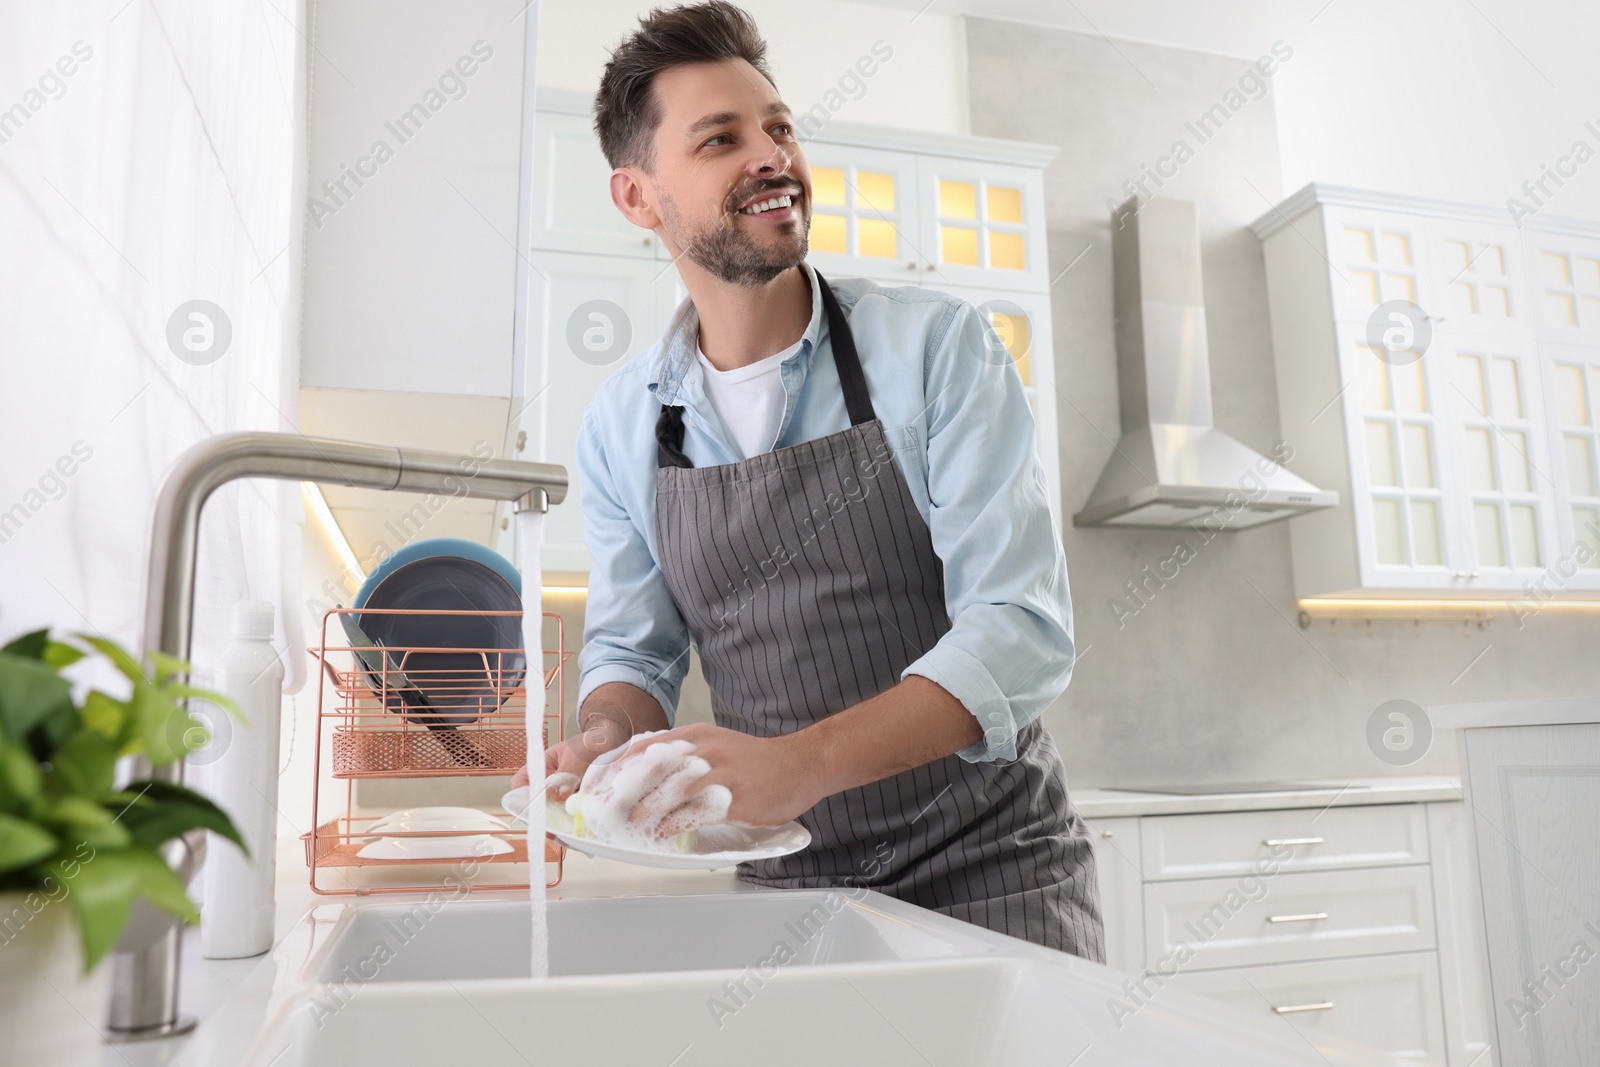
632,629
1009,650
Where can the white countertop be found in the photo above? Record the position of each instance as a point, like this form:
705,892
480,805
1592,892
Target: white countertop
1344,793
1516,713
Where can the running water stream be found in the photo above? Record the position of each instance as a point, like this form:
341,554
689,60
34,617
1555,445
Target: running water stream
530,545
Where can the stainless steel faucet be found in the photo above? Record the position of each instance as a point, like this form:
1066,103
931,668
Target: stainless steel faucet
144,997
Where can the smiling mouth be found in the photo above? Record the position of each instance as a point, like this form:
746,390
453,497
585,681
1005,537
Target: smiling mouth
772,208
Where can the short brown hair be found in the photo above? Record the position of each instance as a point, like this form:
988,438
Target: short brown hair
626,111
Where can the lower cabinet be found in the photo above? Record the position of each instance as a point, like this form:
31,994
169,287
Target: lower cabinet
1353,923
1389,1004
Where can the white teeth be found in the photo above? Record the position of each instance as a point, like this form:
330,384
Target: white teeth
767,205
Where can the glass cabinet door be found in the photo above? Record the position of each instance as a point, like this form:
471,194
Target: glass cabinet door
1400,485
864,215
1375,258
1572,399
1566,273
1497,439
981,224
1477,282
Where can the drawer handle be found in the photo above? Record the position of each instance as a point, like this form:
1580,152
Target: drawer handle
1308,917
1274,842
1290,1009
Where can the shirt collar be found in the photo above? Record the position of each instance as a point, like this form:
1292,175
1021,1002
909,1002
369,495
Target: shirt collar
678,363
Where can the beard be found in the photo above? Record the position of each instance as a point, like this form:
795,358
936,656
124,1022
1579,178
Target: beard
725,250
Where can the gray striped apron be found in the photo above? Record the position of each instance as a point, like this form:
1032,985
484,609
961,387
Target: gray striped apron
809,581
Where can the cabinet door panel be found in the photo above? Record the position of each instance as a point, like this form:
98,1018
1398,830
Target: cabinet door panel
1404,499
982,224
1477,281
571,193
587,316
1116,863
1572,414
1255,919
864,213
1375,257
1234,843
1386,1003
1565,278
1497,437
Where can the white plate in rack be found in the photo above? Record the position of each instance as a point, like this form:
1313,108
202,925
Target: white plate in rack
714,847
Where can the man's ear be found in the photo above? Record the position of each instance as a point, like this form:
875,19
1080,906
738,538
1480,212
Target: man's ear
636,203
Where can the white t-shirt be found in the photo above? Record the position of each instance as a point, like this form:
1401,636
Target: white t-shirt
749,400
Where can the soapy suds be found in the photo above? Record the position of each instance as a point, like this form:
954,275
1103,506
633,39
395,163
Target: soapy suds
649,801
530,543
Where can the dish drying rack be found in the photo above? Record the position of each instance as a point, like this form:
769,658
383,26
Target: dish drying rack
471,720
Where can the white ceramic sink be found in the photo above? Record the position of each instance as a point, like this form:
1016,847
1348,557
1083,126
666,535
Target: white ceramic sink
799,977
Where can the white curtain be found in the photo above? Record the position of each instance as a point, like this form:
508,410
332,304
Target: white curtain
151,154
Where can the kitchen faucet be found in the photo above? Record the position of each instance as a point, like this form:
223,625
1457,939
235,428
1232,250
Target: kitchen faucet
144,996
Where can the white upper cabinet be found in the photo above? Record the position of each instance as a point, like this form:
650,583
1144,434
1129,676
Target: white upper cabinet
571,209
964,215
1415,372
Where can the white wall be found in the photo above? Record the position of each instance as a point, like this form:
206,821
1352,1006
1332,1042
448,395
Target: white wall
1428,97
809,47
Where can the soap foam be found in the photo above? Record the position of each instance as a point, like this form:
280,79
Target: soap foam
648,800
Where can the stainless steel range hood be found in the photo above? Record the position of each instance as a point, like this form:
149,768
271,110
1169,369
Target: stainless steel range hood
1172,466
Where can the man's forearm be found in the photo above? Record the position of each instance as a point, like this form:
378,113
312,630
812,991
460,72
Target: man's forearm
615,712
909,724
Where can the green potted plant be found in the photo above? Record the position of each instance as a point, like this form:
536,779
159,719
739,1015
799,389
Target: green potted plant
76,850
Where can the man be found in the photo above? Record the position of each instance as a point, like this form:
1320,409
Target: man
831,487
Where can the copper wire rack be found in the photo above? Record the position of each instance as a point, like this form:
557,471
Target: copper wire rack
396,711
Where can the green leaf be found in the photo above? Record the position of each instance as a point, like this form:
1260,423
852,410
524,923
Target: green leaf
102,892
59,655
29,646
107,716
23,844
83,765
161,886
82,818
166,666
20,780
161,811
29,691
154,715
118,656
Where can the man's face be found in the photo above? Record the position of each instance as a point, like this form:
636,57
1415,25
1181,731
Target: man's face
726,141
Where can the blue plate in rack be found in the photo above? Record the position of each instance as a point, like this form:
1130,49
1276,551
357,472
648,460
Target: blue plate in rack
448,574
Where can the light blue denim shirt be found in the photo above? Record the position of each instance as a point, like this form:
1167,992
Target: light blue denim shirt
962,434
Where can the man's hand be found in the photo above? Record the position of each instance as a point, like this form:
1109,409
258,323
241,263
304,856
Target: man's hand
573,757
769,777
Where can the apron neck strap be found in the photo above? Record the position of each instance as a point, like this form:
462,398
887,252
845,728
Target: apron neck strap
851,379
852,382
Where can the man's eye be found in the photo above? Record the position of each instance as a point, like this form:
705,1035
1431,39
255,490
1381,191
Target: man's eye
718,137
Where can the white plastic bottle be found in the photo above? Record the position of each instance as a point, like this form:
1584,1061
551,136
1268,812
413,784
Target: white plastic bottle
236,920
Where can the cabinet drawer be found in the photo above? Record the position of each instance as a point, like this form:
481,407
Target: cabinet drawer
1386,1003
1300,839
1255,919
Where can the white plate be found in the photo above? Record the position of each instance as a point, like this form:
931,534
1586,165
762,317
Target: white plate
715,847
459,847
480,822
436,812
